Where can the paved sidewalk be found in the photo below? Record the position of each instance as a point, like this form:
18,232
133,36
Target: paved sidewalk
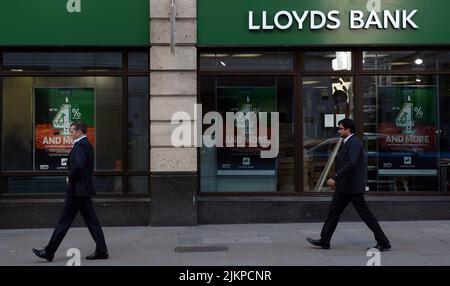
414,243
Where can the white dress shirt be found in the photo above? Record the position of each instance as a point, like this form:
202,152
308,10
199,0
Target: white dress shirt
78,139
348,137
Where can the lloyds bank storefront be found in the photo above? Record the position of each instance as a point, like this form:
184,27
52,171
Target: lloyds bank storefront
126,69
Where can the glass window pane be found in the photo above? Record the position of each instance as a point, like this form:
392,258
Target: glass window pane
399,60
326,100
444,133
109,124
38,140
138,185
62,61
400,127
138,61
17,153
56,185
328,61
247,61
138,123
241,169
444,60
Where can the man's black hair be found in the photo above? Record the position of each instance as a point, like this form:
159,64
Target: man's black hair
347,123
80,125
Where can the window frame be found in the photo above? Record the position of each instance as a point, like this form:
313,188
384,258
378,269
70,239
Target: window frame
124,74
357,72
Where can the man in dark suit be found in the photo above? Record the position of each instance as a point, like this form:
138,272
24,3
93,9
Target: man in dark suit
80,189
350,182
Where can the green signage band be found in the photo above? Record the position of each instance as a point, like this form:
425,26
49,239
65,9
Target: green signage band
74,23
322,22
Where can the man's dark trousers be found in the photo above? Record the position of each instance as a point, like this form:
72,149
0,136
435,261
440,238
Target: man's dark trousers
72,206
338,204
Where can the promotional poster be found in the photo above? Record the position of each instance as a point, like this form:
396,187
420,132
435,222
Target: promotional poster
55,109
240,160
407,131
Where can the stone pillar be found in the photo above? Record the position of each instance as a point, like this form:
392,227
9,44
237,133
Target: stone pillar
173,87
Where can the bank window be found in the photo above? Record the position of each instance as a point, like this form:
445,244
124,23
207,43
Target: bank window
36,115
62,61
399,60
328,61
326,100
406,132
277,61
444,133
138,124
38,139
243,169
138,61
444,60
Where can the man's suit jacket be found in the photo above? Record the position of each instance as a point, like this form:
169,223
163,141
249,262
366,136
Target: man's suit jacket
81,167
351,167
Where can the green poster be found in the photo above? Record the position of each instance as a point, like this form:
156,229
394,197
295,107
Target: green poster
54,111
241,161
407,131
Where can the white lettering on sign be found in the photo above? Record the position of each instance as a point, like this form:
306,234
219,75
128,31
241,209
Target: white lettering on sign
284,20
73,6
300,20
356,19
333,16
287,15
251,26
409,139
383,21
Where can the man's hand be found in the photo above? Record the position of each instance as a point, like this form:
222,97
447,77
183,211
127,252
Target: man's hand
331,183
67,180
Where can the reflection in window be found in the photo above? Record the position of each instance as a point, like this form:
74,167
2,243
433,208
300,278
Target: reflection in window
21,138
400,132
62,61
444,60
444,133
399,60
246,61
241,169
328,61
326,100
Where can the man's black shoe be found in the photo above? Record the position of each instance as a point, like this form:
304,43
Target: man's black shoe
43,254
382,247
97,255
319,243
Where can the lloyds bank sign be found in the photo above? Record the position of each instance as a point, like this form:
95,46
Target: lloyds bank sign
316,20
323,22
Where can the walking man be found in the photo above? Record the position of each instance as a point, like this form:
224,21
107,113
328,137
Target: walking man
80,189
350,182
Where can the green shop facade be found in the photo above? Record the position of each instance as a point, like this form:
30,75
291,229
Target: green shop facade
385,64
62,61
